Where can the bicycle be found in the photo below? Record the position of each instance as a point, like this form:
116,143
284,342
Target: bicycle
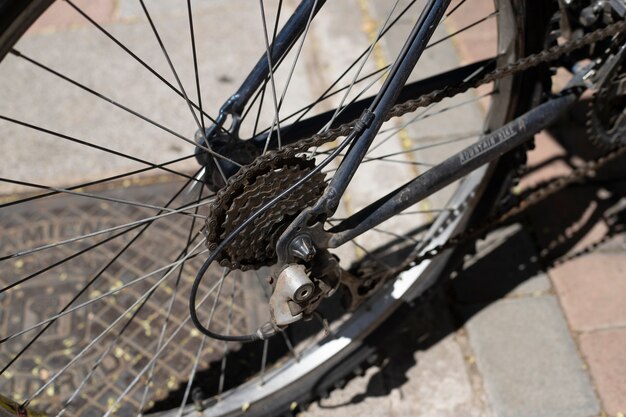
272,208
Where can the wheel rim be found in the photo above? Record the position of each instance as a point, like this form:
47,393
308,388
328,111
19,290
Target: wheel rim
382,305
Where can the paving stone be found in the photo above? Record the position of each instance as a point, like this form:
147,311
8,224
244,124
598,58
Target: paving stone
528,360
438,385
427,374
365,396
474,43
505,264
60,15
605,352
592,290
423,373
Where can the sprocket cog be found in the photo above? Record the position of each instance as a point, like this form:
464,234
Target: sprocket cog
606,119
255,246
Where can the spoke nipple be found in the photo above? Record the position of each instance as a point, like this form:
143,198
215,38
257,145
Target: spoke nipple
197,398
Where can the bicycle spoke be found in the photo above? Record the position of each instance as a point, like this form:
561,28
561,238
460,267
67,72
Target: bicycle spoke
276,122
220,388
68,258
96,182
114,341
87,285
91,145
468,136
130,386
195,63
372,256
116,104
342,108
105,331
206,145
387,160
261,92
194,368
326,94
422,116
100,232
297,57
272,83
266,343
95,196
360,68
289,345
333,222
190,237
396,235
455,8
136,58
471,25
101,296
103,355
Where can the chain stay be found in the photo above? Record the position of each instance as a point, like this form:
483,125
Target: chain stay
239,180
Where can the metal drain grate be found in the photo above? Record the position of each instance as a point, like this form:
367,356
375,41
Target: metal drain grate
56,218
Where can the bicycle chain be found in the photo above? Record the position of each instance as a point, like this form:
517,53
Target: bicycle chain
246,173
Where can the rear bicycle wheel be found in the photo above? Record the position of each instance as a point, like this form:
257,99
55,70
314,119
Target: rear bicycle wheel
115,282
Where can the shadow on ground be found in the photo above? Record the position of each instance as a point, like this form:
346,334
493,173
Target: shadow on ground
545,235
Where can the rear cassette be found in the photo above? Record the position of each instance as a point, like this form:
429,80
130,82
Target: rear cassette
255,246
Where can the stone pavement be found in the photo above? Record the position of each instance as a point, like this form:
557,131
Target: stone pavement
514,336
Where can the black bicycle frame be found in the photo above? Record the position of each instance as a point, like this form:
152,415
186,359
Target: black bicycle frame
374,111
282,44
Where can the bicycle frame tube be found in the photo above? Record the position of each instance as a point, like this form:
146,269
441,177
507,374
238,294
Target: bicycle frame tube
285,39
308,127
386,97
359,141
484,151
364,133
487,149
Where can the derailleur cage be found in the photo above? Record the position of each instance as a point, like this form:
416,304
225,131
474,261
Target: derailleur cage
300,288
